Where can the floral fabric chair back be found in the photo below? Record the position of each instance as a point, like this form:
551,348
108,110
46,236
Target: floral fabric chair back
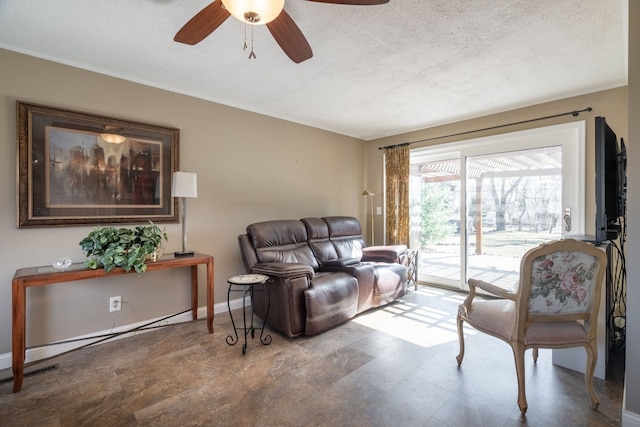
560,281
563,282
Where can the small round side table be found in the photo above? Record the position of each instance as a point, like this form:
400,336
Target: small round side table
248,284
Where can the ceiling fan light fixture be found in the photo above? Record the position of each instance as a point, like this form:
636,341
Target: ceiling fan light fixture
112,138
255,12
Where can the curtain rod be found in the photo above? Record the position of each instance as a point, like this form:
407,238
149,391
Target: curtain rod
573,113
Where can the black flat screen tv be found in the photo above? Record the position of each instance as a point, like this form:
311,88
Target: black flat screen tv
610,174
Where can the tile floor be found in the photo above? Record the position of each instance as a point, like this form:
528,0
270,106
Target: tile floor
394,366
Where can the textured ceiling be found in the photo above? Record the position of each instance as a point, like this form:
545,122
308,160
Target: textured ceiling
376,70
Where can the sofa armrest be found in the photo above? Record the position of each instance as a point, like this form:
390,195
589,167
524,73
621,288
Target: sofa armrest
287,312
284,270
386,253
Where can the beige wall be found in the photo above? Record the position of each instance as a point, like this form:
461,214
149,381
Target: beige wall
250,168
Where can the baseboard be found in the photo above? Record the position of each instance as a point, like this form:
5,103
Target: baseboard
629,419
36,354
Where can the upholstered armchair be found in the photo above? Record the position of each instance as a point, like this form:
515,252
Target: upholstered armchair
555,306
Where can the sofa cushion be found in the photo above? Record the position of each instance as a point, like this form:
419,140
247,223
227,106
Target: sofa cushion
281,241
331,300
318,235
346,236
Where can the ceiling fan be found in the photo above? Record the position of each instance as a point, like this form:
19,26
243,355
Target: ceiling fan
282,27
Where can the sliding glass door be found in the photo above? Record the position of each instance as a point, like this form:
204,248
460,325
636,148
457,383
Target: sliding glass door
436,197
478,206
514,203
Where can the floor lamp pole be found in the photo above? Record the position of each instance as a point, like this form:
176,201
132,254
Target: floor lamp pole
369,194
373,240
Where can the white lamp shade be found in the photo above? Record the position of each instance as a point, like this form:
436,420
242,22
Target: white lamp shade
185,184
267,10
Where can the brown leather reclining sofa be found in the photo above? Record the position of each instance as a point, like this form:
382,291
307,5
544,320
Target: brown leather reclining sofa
322,273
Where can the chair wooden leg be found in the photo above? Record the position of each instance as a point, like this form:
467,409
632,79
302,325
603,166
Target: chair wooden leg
592,357
518,354
535,354
460,355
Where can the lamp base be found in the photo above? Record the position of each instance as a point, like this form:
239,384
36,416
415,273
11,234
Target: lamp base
182,254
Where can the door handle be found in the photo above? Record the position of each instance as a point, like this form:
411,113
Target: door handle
567,219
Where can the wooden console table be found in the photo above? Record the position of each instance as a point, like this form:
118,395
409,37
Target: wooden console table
43,276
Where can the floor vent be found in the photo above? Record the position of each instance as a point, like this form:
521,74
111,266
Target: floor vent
32,373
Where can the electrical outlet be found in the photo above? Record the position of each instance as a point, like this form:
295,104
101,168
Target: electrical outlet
378,210
115,304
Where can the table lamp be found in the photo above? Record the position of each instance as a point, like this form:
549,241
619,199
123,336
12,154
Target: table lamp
185,184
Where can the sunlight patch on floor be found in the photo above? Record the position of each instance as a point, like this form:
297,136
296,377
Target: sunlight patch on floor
418,324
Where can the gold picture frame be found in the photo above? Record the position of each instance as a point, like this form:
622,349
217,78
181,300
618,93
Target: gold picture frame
76,168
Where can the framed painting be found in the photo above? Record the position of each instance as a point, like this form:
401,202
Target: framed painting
76,168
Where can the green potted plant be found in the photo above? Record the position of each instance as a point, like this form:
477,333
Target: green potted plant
112,247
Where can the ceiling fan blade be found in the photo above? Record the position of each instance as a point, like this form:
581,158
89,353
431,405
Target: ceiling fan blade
354,2
290,38
202,24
